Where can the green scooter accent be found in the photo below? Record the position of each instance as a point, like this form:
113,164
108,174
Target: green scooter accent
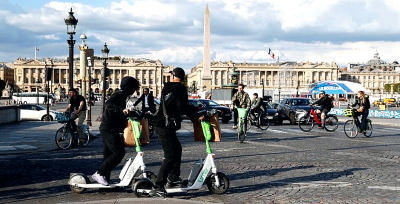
136,132
207,134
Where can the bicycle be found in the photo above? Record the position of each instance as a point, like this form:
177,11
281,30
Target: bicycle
65,136
263,123
307,121
353,127
242,130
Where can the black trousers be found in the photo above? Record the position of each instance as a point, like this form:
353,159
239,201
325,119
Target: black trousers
171,166
364,116
113,151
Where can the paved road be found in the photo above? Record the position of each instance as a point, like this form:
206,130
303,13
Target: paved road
280,165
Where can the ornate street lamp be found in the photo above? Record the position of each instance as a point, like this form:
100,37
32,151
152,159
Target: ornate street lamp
71,22
105,52
37,90
48,71
279,96
262,83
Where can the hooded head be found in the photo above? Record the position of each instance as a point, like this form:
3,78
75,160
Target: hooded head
129,85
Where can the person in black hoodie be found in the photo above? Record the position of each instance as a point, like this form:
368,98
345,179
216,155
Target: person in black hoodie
363,109
113,123
175,98
326,105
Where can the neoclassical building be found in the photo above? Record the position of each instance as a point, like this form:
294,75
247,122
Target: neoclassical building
151,74
288,77
6,74
374,74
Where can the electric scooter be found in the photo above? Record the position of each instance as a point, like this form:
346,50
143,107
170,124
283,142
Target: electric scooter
201,172
133,169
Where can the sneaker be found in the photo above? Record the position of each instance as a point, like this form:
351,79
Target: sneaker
234,127
158,191
100,179
364,132
177,183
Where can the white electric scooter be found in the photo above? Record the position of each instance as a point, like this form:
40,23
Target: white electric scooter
201,172
133,169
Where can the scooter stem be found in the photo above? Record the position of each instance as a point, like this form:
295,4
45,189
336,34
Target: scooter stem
136,133
207,135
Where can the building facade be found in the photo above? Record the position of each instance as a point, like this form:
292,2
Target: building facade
6,74
30,74
374,74
289,77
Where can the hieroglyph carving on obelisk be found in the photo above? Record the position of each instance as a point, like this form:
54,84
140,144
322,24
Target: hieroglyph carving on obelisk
206,51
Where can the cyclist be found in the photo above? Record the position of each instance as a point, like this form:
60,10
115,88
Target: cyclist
363,109
257,106
325,103
77,104
240,99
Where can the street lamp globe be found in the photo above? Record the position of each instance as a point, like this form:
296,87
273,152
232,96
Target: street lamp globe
105,51
71,23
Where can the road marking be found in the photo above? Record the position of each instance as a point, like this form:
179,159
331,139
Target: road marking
7,148
17,147
277,131
233,149
228,131
315,184
392,188
358,140
279,146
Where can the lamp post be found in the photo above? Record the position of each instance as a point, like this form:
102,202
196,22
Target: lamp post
262,83
105,52
279,92
47,118
71,22
37,91
297,88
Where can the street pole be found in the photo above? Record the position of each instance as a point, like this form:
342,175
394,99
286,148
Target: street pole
71,22
48,104
105,52
279,95
37,92
89,118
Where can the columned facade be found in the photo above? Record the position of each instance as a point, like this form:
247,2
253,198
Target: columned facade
151,74
289,76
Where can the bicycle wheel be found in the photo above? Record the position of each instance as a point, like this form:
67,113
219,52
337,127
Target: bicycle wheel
264,123
369,129
241,132
331,123
248,123
63,138
350,129
306,123
86,138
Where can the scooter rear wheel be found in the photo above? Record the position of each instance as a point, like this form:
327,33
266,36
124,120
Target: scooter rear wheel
143,184
223,181
78,179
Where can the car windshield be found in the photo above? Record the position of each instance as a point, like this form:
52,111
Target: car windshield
209,103
300,102
40,107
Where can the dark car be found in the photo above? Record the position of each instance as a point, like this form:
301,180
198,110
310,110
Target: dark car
210,104
272,114
289,108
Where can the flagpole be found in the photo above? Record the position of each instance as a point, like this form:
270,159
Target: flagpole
35,52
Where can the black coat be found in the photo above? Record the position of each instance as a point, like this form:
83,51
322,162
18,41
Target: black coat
366,104
150,101
324,102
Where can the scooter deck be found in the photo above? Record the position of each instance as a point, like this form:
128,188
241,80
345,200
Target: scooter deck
97,185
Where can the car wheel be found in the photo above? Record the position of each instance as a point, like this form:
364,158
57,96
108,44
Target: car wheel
225,120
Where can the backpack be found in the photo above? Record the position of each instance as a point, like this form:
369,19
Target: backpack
332,106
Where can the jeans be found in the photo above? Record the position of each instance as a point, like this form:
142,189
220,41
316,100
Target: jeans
172,148
113,151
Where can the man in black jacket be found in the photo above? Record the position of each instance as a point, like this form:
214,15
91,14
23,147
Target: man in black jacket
174,97
113,123
147,100
326,105
257,106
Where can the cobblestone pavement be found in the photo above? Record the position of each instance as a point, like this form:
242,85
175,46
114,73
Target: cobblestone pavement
280,165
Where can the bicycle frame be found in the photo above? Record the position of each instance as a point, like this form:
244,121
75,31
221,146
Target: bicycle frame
315,117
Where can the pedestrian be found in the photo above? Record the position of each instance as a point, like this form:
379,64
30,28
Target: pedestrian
77,105
240,99
114,121
174,103
147,100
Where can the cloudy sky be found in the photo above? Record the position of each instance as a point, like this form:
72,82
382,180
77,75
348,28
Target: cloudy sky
172,30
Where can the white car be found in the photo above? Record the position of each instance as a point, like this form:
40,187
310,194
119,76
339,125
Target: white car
35,112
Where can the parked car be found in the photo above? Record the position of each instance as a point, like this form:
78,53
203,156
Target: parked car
35,112
288,108
210,104
272,114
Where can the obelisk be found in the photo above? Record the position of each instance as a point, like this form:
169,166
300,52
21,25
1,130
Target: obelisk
206,52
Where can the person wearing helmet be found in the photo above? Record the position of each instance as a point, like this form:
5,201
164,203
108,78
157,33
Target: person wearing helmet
325,103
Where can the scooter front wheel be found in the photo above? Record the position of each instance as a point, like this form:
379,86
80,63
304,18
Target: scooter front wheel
223,183
150,175
78,179
142,187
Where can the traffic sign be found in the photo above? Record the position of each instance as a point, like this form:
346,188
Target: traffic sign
107,85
